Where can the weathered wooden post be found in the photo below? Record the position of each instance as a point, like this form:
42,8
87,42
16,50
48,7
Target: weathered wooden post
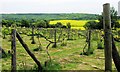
29,52
89,41
33,40
13,50
68,29
55,38
107,37
115,55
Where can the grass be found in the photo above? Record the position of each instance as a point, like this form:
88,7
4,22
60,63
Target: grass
63,57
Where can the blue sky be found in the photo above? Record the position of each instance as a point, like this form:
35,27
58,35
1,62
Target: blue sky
54,6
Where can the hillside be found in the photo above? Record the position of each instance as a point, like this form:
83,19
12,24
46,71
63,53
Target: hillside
51,16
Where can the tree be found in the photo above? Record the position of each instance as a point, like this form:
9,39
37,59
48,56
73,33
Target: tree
114,23
7,23
68,25
91,25
47,23
41,24
25,23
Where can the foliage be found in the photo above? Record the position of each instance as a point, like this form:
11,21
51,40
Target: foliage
42,16
68,25
7,23
99,25
91,25
114,22
25,23
60,25
52,65
100,45
42,24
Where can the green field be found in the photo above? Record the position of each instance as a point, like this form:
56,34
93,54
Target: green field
75,24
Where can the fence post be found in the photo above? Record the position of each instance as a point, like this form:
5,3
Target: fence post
13,51
33,40
55,38
89,41
107,37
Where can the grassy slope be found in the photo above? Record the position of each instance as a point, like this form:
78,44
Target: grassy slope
68,56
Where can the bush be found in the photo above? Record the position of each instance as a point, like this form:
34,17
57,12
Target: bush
52,65
99,45
63,44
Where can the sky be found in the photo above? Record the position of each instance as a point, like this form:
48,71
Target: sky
55,6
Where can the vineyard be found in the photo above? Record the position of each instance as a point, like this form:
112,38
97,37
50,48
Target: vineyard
60,44
67,55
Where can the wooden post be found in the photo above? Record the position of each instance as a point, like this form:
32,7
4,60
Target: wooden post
115,55
33,41
68,33
13,50
29,52
107,37
89,41
55,39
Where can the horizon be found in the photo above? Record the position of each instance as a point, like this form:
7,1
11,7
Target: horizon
49,13
54,6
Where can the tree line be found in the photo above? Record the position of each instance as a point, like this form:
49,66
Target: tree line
51,16
99,25
32,22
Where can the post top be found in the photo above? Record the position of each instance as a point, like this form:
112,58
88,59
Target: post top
106,4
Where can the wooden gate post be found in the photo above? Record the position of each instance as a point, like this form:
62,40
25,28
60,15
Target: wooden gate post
107,37
13,51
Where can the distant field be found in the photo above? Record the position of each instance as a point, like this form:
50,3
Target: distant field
76,24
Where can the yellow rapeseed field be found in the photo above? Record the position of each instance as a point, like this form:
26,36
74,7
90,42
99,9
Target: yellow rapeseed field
75,24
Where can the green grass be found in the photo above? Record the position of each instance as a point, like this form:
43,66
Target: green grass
63,57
